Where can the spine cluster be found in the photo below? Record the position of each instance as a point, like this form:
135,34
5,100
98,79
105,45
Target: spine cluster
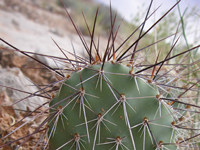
118,98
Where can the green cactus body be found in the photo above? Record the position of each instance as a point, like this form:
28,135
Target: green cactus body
109,109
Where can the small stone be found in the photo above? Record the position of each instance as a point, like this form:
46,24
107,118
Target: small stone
12,83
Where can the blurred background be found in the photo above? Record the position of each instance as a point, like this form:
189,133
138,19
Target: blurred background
31,25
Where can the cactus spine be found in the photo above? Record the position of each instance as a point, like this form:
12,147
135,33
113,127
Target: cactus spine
117,101
108,104
108,107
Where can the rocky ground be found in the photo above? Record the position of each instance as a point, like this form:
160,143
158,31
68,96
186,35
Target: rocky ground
29,26
20,73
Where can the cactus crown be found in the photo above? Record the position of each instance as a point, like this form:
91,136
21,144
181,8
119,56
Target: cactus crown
120,101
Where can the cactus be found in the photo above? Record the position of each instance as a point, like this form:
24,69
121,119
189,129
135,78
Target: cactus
121,101
106,106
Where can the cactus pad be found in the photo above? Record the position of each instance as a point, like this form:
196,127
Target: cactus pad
109,108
